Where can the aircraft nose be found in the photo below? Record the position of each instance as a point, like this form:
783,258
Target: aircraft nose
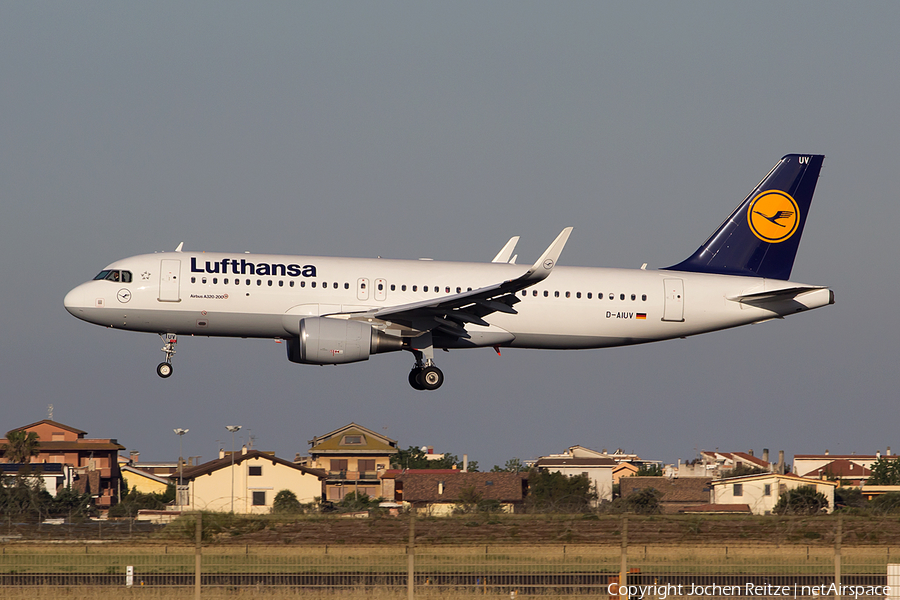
74,300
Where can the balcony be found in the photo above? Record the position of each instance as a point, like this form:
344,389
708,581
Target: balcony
352,476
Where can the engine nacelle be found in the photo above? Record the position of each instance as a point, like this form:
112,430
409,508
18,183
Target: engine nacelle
325,341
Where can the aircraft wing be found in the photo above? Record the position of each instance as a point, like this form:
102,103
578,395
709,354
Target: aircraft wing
449,314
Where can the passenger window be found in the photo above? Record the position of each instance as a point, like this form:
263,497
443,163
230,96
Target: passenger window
193,280
447,289
247,282
302,284
403,288
556,294
280,283
393,287
633,297
259,282
612,296
644,297
621,296
578,294
380,287
524,293
534,292
414,288
568,294
313,284
225,281
424,288
588,295
203,280
292,283
215,280
458,290
335,286
346,286
468,289
546,293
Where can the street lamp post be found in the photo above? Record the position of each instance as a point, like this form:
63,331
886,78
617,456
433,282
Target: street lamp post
180,433
233,429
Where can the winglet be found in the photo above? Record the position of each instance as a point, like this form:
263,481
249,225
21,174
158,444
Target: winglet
547,261
180,246
506,251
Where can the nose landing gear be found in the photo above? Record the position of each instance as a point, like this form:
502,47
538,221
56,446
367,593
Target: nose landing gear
164,369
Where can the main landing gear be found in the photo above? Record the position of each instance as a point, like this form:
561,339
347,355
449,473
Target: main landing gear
424,375
164,369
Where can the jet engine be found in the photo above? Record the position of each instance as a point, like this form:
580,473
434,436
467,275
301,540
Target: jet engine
325,341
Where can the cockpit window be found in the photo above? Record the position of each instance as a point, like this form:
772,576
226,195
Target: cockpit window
114,275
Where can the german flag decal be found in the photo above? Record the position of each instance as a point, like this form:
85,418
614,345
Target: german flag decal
641,316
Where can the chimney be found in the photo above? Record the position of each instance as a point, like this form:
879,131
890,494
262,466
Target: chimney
221,453
888,453
780,467
243,449
826,452
750,452
465,463
135,456
765,455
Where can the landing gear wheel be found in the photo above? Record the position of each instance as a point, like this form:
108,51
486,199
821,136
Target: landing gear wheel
430,378
164,370
414,378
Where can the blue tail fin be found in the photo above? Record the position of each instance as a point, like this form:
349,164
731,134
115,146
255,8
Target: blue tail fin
761,236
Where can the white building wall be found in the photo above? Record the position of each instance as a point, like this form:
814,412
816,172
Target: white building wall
213,491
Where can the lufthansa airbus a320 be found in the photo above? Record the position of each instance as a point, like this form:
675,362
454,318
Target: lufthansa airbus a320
343,310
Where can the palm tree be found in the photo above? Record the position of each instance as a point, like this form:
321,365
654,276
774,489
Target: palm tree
21,446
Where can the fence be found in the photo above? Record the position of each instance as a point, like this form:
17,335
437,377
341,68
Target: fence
616,571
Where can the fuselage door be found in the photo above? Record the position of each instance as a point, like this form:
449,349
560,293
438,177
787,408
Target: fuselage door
674,309
380,289
169,280
362,289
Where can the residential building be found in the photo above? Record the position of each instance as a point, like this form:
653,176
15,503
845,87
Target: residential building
623,469
761,492
677,493
54,476
578,460
246,483
438,492
93,459
353,457
141,481
839,466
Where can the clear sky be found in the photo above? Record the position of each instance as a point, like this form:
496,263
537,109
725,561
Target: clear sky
441,129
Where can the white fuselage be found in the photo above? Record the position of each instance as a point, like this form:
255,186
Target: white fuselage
265,296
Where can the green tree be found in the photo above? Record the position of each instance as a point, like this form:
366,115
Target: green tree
513,465
643,502
21,446
885,504
742,469
554,492
23,496
801,501
354,502
286,503
133,501
885,471
649,470
416,458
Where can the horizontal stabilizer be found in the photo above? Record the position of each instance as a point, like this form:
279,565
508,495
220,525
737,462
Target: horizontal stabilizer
776,295
506,252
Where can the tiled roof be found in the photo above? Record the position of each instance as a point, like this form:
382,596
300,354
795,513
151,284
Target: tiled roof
840,468
423,486
221,463
575,462
54,424
686,489
331,443
745,457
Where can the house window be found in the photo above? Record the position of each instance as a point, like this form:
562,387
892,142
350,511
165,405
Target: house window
255,471
353,440
338,464
767,489
259,498
738,489
366,464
